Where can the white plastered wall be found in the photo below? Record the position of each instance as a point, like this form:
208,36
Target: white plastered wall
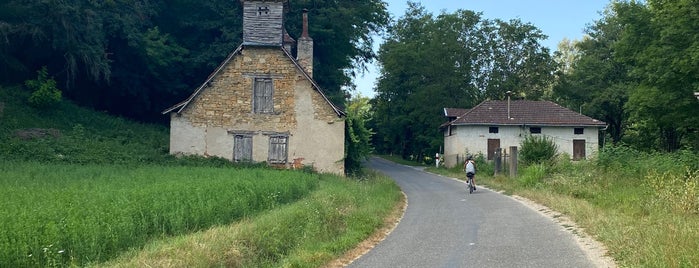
474,140
185,138
319,142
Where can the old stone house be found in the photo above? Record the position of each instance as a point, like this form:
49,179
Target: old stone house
502,124
261,104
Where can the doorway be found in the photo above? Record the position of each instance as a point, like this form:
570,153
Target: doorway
578,149
493,144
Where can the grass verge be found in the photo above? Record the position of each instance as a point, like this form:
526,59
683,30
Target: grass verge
308,233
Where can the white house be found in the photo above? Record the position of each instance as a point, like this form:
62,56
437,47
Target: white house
501,124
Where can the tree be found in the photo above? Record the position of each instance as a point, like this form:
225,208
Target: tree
637,72
518,62
70,34
663,43
566,55
598,81
357,134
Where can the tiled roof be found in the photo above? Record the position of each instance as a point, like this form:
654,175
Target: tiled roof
524,112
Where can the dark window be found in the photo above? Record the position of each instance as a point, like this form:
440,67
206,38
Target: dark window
493,130
578,130
262,96
534,130
277,149
451,130
242,148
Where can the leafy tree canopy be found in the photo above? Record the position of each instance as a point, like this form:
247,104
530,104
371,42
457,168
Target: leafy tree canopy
638,70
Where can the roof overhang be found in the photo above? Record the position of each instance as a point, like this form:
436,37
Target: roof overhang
528,124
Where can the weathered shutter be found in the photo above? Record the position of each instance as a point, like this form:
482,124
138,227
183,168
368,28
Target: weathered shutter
277,149
257,95
242,148
263,93
268,102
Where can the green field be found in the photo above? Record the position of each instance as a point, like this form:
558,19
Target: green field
87,213
57,215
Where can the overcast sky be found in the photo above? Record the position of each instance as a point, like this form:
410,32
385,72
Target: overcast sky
557,19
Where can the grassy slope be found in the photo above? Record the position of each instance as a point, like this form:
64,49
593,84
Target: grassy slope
84,136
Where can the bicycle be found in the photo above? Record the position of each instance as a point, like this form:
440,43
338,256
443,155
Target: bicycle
469,182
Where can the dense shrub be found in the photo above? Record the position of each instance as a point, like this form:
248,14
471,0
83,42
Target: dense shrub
537,150
45,94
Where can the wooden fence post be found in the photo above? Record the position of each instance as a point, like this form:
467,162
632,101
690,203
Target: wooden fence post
513,161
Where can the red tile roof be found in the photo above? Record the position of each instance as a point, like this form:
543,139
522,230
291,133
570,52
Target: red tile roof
524,112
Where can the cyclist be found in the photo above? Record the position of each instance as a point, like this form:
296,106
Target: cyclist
470,168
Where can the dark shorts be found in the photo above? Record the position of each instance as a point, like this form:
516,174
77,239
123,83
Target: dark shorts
469,174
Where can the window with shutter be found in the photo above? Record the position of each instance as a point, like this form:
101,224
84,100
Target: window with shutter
242,148
278,149
262,96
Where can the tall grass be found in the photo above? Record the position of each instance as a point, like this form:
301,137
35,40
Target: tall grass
58,214
643,206
308,233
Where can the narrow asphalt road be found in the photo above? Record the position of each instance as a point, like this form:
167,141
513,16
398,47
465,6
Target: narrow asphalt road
445,226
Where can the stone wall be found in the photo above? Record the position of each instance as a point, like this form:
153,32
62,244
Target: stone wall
208,124
228,99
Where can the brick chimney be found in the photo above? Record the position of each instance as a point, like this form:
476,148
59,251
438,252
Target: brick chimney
263,22
304,53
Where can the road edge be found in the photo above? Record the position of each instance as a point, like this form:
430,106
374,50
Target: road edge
595,251
390,223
